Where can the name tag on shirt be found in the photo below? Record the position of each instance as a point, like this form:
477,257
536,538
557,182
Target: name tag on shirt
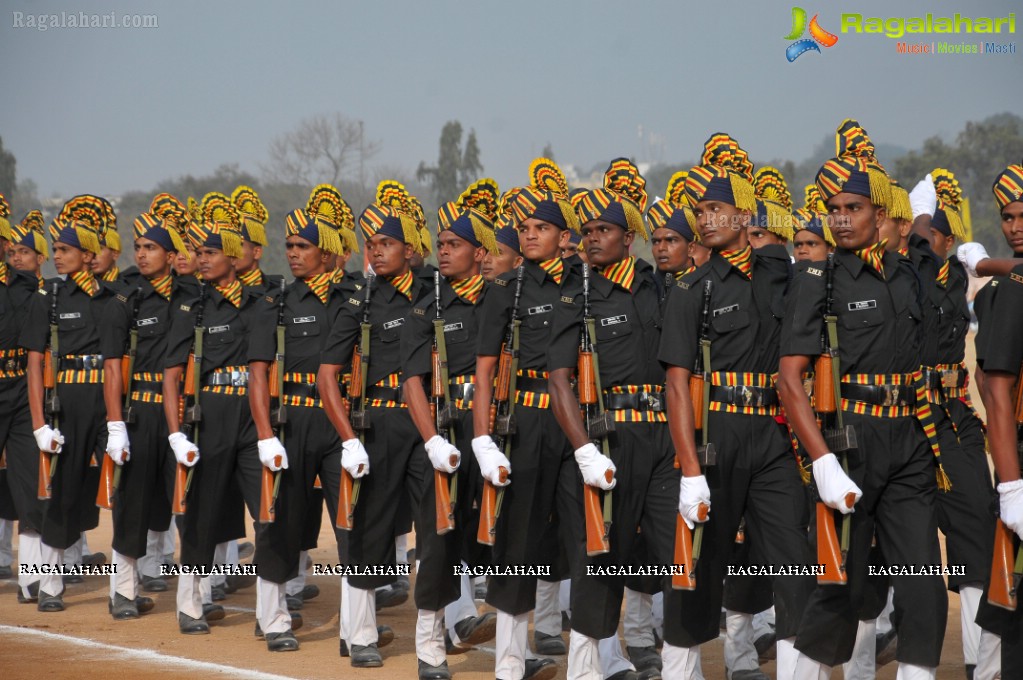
303,319
726,310
540,309
219,329
457,326
148,322
388,325
614,320
862,305
71,315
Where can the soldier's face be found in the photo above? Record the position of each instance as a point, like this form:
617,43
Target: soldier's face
670,250
24,258
214,265
388,256
540,241
495,265
854,221
809,247
760,237
457,258
186,263
151,259
941,244
698,253
305,259
722,226
1012,225
605,243
251,253
104,261
68,259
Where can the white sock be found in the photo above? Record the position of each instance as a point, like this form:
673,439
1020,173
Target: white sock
124,578
969,601
430,637
511,645
740,652
583,657
638,623
681,662
862,664
908,671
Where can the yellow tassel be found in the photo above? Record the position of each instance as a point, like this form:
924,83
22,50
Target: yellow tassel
571,219
256,230
742,192
112,240
176,241
348,240
880,187
634,218
779,220
411,232
5,229
944,483
955,223
424,240
88,240
329,239
484,234
805,474
232,243
900,208
40,245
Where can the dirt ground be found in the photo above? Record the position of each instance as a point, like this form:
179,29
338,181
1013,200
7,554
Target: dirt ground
84,642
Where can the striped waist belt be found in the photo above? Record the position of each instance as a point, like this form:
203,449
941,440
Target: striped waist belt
227,380
746,393
147,388
377,393
531,388
12,363
80,369
889,396
461,390
946,382
636,403
299,389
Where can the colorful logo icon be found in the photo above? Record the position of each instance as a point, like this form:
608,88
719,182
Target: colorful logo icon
818,36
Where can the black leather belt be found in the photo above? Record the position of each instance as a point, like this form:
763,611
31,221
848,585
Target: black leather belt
81,362
305,390
537,385
13,364
744,395
384,393
637,401
935,378
147,386
227,379
463,391
880,395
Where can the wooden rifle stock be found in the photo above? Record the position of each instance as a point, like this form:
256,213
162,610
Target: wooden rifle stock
823,385
597,540
190,369
107,485
1005,573
686,579
442,493
45,487
829,550
696,387
275,383
345,503
586,379
182,480
487,529
270,484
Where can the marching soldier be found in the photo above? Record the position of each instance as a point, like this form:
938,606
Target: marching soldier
509,256
542,477
732,306
872,300
672,238
27,250
812,240
253,216
618,316
104,266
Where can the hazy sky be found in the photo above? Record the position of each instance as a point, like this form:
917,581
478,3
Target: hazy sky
108,110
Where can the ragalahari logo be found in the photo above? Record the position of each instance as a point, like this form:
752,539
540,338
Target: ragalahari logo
818,36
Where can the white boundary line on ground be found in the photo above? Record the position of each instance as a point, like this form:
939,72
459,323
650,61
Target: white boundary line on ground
129,654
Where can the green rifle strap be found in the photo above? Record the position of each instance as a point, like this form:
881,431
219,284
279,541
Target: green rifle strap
705,350
280,387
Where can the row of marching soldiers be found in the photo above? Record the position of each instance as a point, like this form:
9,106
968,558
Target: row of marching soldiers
617,412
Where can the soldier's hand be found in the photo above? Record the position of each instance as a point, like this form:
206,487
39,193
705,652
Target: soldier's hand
48,439
833,485
491,459
272,454
185,451
118,447
354,458
1010,505
594,465
692,493
970,254
923,199
443,455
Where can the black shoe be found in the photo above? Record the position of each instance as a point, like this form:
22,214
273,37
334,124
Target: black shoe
246,550
50,603
649,674
428,672
218,593
540,669
625,675
767,650
294,602
644,657
885,648
190,626
238,581
281,642
33,594
750,675
410,556
310,592
403,583
213,612
475,630
122,608
385,636
72,579
366,656
144,604
548,645
154,584
390,597
94,560
6,572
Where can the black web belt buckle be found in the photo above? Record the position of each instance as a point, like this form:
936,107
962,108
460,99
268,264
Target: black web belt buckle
840,440
360,420
505,425
600,426
750,397
707,455
950,378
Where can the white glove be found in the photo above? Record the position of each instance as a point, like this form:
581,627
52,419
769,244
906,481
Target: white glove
491,459
594,466
923,199
46,437
970,254
272,454
833,484
1010,505
693,493
118,446
440,452
354,458
185,451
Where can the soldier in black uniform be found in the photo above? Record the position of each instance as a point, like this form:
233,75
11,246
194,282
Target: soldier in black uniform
625,295
253,216
672,237
509,256
813,240
229,452
78,310
27,250
104,267
17,289
755,474
543,479
392,460
142,500
877,299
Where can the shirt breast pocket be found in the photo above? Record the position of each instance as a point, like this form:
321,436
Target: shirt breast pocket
457,336
389,335
217,337
730,322
152,329
70,324
613,328
537,321
863,318
303,330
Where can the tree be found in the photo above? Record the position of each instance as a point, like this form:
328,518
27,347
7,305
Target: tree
324,148
471,167
8,172
455,169
548,152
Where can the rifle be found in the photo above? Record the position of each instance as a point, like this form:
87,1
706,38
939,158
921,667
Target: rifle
445,488
830,551
502,417
598,424
51,402
688,543
349,493
193,413
1006,574
270,482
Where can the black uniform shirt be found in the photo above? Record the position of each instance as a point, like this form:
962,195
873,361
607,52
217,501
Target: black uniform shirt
461,327
879,320
388,311
1004,351
78,318
745,315
628,329
953,314
154,315
15,295
983,306
225,340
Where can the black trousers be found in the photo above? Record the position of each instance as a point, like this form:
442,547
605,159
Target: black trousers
72,506
541,509
22,454
894,466
645,498
143,497
755,476
314,448
748,594
228,465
